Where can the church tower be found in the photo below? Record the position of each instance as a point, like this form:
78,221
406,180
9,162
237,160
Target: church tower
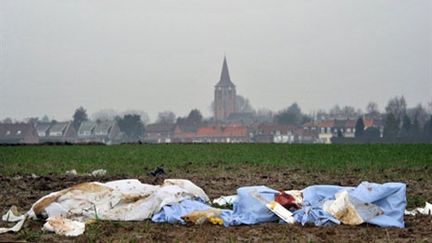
225,95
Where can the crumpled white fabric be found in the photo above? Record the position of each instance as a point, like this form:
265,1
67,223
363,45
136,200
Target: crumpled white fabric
426,210
12,215
122,200
63,226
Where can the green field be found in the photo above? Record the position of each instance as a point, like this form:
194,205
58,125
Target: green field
138,159
219,169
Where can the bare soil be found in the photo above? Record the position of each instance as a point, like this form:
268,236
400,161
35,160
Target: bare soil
24,190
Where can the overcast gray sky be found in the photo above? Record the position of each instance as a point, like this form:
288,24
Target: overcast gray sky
167,55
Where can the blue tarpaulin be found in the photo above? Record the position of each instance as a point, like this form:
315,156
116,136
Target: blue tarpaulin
389,197
250,208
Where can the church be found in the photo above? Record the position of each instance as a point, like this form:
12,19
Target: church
225,95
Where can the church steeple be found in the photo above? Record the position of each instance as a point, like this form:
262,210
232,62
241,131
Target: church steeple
225,95
225,79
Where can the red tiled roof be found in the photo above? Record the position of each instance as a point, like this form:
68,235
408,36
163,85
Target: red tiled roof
228,131
268,129
326,123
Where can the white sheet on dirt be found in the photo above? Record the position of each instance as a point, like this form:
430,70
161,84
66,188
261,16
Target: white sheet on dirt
426,210
124,200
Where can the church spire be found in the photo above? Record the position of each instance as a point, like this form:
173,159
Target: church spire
225,79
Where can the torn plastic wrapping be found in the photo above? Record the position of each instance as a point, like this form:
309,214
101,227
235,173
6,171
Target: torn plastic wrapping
388,197
225,201
181,201
426,210
64,226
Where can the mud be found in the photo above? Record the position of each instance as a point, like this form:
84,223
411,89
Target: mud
24,190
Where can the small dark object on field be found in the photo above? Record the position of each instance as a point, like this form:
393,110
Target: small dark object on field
159,171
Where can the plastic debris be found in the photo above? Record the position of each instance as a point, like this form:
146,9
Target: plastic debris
350,210
288,201
389,197
159,171
12,215
124,200
181,201
199,217
64,226
426,210
72,172
225,201
100,172
281,212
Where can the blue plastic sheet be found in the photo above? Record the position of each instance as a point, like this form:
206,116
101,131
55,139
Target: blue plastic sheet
248,209
172,213
315,215
389,197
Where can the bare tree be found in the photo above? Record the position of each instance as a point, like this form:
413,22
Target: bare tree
429,107
264,115
321,114
243,105
7,120
372,108
45,118
418,113
145,119
105,115
397,106
166,117
335,111
79,116
349,112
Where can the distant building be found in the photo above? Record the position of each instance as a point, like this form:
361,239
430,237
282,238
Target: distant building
107,132
56,132
159,133
329,128
18,133
86,131
232,133
274,133
42,128
184,133
277,133
225,95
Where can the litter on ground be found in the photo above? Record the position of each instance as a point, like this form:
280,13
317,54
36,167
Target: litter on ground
426,210
178,201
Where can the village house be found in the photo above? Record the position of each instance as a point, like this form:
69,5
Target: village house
231,133
278,133
42,129
56,132
18,133
329,128
274,133
107,132
159,133
184,133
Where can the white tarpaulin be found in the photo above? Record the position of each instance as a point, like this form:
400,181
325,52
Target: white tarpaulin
123,200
